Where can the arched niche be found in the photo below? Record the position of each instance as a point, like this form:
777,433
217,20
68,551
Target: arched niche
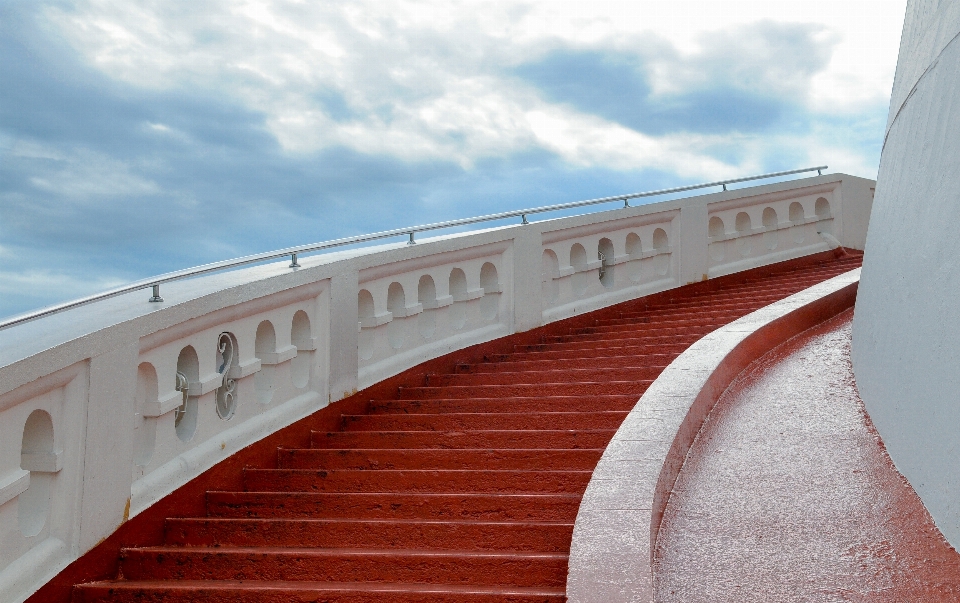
606,254
188,373
770,222
661,243
822,208
578,259
716,227
264,345
427,297
396,304
634,249
458,289
549,273
366,310
301,335
227,361
796,214
490,282
39,457
145,431
744,228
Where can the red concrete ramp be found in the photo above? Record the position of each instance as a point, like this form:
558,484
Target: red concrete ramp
787,494
464,488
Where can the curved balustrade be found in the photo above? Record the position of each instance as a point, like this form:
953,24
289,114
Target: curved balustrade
108,407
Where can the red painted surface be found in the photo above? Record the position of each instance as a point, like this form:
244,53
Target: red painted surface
458,480
788,494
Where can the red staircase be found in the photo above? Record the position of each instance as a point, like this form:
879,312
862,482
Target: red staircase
463,489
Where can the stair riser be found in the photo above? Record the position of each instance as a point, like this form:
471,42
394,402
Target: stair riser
497,405
661,345
542,537
252,594
659,355
413,481
444,507
646,368
654,323
635,333
542,376
526,390
338,566
719,301
511,440
545,460
485,421
670,319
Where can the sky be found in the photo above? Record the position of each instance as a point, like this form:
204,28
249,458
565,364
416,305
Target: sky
139,137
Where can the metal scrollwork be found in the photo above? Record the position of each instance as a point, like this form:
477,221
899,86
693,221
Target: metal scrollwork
183,386
226,393
603,260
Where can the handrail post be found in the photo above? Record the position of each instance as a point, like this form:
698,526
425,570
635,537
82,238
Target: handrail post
293,261
411,241
156,294
524,218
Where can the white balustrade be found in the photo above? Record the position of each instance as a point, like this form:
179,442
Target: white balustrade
106,408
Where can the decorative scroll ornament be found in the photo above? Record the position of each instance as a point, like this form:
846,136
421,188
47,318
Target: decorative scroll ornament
603,263
226,393
183,386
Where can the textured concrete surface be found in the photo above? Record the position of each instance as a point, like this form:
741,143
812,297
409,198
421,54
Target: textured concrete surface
788,495
624,503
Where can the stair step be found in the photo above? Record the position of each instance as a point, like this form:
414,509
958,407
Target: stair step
373,459
641,331
649,323
494,439
520,404
656,354
218,591
431,481
609,419
378,505
358,533
501,568
647,368
527,390
571,374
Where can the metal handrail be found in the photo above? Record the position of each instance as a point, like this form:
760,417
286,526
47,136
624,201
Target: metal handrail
155,281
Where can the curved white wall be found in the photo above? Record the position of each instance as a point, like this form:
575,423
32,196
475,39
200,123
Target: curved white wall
906,337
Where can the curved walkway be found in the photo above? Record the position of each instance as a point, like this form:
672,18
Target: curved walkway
788,495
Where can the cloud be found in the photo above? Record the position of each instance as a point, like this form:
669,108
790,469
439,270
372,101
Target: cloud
137,138
747,79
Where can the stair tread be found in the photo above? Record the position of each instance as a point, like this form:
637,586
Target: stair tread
372,587
351,551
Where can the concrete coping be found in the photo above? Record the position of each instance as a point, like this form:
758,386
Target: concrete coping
615,535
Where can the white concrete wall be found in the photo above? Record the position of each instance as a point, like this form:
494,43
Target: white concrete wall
906,330
105,442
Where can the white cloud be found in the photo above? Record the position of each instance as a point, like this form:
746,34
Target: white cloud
81,173
426,80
